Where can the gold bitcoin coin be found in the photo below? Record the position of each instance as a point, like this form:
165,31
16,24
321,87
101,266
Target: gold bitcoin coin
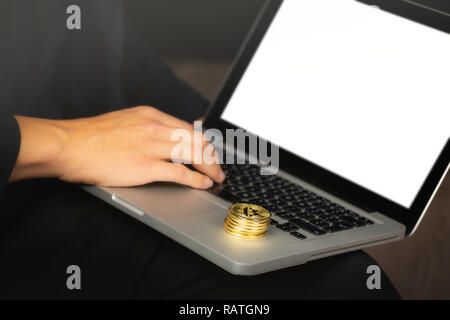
251,212
246,220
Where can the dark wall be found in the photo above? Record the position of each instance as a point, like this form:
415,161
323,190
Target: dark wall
211,29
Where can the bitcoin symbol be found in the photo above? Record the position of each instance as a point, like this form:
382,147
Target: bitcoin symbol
252,211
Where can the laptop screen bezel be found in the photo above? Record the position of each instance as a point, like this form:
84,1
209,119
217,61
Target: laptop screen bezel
308,171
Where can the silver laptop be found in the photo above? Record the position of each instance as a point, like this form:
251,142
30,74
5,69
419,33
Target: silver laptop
357,100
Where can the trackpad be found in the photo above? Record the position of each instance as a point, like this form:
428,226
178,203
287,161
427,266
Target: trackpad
167,201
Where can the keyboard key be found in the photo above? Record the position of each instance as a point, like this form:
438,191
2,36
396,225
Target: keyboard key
265,195
245,195
308,226
344,225
301,204
305,215
253,189
287,227
335,228
274,222
278,202
269,178
336,212
338,227
271,208
315,211
290,208
262,202
286,198
317,204
330,219
285,215
351,213
320,223
298,235
252,168
241,183
295,192
275,192
228,196
291,190
365,220
260,185
352,221
232,189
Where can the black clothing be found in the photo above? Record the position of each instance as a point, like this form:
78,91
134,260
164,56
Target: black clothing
60,225
47,225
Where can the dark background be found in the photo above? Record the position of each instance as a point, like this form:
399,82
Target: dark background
210,29
198,38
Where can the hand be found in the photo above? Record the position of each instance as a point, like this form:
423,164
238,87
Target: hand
123,148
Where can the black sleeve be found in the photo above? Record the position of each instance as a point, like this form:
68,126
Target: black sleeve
9,133
9,146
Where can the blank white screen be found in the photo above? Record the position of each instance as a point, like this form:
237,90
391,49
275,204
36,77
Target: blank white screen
356,90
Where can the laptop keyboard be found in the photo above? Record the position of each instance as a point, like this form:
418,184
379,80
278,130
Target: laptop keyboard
294,209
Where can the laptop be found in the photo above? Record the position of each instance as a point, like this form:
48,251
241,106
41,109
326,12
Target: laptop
356,100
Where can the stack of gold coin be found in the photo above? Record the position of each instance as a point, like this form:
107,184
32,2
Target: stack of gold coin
247,221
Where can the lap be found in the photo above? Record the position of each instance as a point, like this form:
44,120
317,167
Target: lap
47,225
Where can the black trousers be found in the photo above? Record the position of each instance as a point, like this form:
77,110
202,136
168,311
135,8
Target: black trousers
47,225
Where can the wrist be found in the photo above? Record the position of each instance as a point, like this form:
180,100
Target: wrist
42,143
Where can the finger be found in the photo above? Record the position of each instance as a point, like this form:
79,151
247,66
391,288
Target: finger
210,164
178,173
213,170
161,132
185,153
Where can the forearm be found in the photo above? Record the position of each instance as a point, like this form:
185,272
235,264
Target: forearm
42,142
122,148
